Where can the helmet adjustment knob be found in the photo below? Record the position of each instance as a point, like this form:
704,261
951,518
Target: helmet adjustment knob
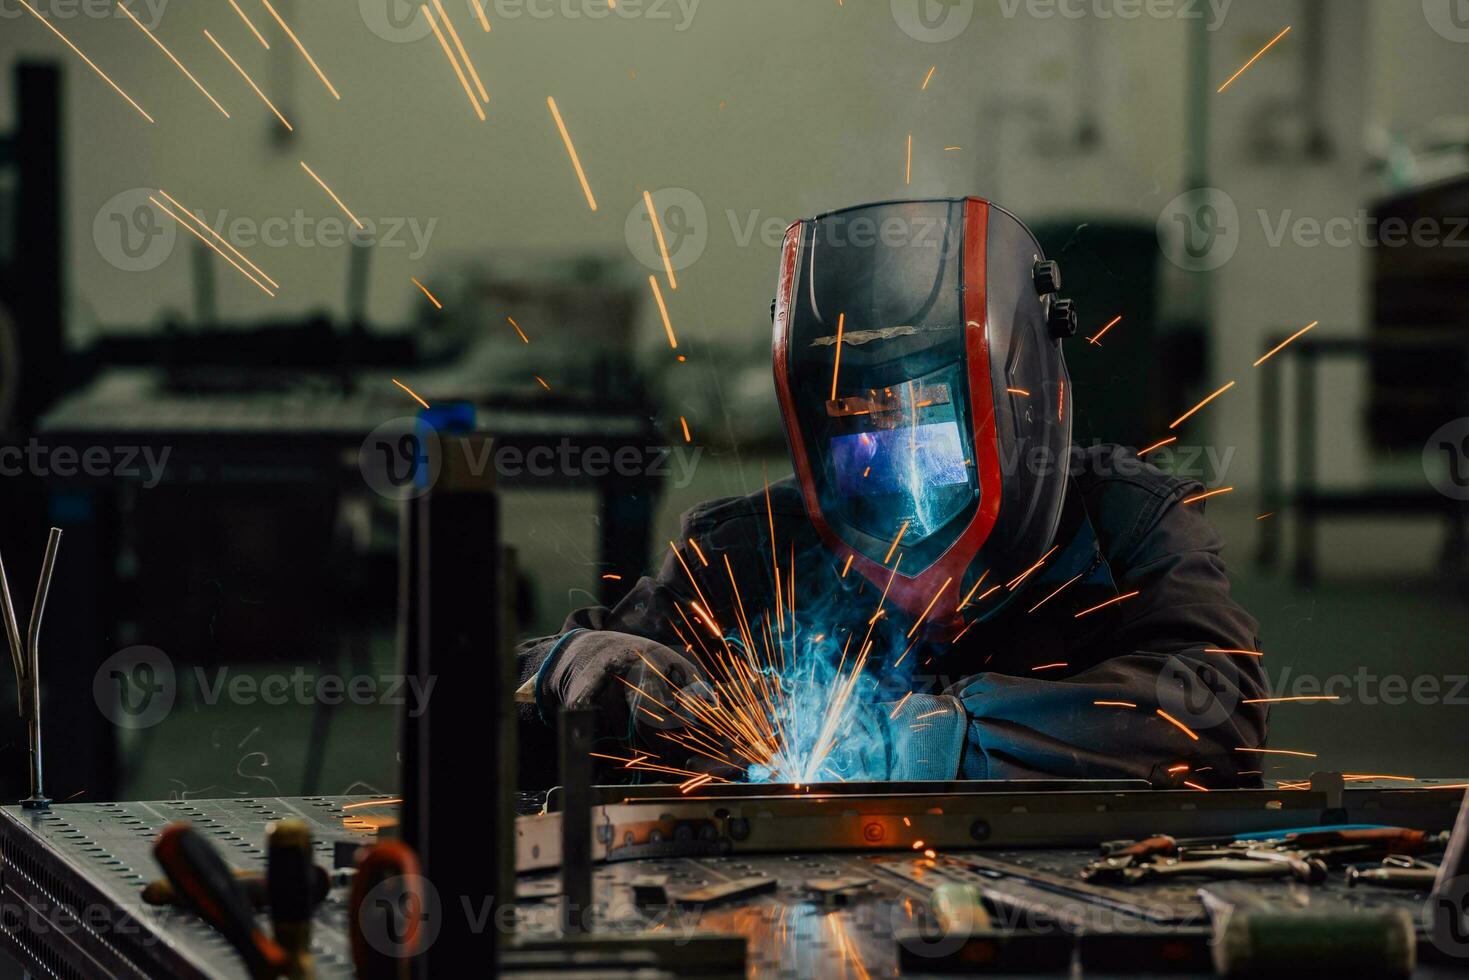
1061,319
1047,277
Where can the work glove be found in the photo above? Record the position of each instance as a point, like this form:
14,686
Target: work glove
590,669
918,738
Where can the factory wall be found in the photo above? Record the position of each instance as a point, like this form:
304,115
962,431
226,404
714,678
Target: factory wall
1054,115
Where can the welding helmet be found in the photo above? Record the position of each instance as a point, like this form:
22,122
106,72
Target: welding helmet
926,402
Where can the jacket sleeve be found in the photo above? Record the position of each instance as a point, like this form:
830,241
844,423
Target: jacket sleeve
1148,697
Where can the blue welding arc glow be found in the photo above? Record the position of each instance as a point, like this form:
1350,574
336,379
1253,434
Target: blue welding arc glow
912,462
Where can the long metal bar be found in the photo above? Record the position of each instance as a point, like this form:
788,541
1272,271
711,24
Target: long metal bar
12,636
38,800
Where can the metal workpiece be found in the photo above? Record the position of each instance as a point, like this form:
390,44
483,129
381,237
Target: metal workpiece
630,823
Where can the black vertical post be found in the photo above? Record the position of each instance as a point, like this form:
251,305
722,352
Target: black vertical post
37,274
1306,489
1270,475
575,742
455,762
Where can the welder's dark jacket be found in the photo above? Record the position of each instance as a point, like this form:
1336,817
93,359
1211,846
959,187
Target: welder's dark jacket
1124,529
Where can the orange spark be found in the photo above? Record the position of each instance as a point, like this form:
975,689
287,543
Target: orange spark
929,78
331,194
1200,405
246,76
411,392
1019,391
1241,653
1114,704
302,48
699,551
930,853
581,175
1300,697
894,546
90,63
929,608
1056,593
1201,789
463,52
907,822
1256,58
1176,723
908,173
168,211
611,577
663,312
453,62
541,381
1157,445
1049,667
932,714
686,437
847,567
662,242
900,705
837,363
1026,574
353,806
1178,768
253,30
1205,496
187,74
523,337
1103,332
1263,516
431,297
1301,755
965,601
1286,342
1109,602
217,237
917,845
479,11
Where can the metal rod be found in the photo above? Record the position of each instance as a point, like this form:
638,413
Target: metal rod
38,800
12,635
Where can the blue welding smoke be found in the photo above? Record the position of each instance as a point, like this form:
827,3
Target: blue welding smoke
830,711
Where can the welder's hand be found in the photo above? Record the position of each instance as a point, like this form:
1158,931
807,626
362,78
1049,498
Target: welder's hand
924,737
629,680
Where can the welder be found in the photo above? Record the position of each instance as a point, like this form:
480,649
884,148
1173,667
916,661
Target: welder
1049,610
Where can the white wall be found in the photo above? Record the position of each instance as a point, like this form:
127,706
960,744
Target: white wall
766,109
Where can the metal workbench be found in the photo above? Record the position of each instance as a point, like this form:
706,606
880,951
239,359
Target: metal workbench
70,879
